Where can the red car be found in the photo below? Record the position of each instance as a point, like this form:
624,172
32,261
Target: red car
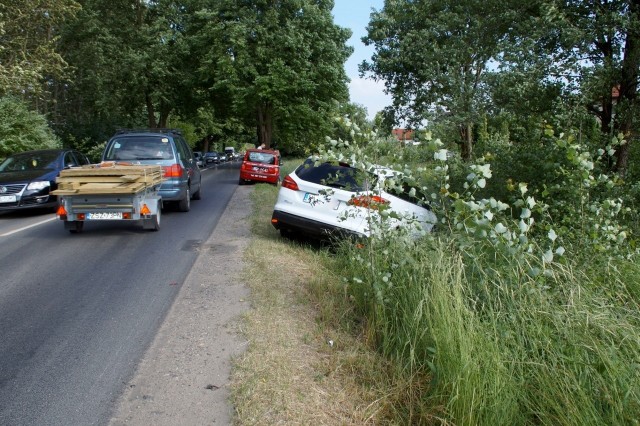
260,165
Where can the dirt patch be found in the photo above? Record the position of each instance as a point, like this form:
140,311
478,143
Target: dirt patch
184,376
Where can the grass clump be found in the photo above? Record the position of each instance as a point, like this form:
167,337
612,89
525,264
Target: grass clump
517,353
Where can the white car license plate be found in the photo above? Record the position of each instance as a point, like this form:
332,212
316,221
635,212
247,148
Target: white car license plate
104,216
7,198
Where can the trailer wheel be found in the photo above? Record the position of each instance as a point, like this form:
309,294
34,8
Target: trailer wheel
75,227
153,223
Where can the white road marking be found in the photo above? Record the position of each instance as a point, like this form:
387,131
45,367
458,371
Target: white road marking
15,231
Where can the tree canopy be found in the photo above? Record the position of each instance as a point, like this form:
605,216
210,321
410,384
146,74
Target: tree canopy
278,64
456,61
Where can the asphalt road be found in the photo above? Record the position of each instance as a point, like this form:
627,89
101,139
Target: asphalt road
78,311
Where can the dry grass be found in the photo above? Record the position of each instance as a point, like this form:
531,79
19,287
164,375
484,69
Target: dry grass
300,366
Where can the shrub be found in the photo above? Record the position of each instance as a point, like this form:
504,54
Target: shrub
22,129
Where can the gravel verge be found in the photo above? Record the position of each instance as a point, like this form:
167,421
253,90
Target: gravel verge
184,375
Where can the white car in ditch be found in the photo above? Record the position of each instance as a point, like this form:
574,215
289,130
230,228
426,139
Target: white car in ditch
320,199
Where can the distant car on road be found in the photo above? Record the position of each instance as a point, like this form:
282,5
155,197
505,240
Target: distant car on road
210,158
260,165
27,178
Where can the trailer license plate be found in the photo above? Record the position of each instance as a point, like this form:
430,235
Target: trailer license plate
104,216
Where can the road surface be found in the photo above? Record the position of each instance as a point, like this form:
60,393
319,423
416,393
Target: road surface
78,312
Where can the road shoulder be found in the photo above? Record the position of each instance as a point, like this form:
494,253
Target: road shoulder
184,375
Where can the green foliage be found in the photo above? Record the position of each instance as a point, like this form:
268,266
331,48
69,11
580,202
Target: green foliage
22,129
28,36
522,309
433,56
278,66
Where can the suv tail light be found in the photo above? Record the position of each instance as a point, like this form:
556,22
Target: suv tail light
373,202
289,183
173,171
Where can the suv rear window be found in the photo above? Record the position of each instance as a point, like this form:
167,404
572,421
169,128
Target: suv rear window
335,175
139,148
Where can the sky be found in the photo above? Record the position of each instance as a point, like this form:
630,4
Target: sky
354,14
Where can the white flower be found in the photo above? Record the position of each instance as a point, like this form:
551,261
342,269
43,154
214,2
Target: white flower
482,183
547,256
560,251
526,213
500,228
523,188
531,202
523,226
488,215
473,206
485,170
440,155
502,206
552,235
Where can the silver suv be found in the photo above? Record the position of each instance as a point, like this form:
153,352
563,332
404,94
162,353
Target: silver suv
165,147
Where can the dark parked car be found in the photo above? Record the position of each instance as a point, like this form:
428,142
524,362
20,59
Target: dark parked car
164,147
211,157
27,178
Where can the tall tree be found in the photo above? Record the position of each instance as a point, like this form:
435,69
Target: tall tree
131,66
28,35
432,56
589,49
605,35
280,63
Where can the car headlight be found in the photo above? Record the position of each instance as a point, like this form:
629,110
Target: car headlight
38,185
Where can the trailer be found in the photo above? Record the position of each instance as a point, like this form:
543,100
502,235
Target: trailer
109,192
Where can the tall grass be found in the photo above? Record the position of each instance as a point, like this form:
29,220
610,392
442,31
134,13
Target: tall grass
504,349
480,340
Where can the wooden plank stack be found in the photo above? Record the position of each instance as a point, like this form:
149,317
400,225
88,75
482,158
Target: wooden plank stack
107,178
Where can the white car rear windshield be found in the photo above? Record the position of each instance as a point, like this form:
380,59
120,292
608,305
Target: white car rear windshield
335,175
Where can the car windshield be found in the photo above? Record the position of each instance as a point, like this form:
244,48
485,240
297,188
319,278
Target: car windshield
139,148
29,161
262,157
336,175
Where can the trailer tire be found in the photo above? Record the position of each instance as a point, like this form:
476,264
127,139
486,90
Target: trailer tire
153,223
75,226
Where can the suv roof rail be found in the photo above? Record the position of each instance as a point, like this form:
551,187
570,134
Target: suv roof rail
149,129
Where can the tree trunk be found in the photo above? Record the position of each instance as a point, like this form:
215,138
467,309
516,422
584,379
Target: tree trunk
466,141
627,112
265,124
151,112
165,111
